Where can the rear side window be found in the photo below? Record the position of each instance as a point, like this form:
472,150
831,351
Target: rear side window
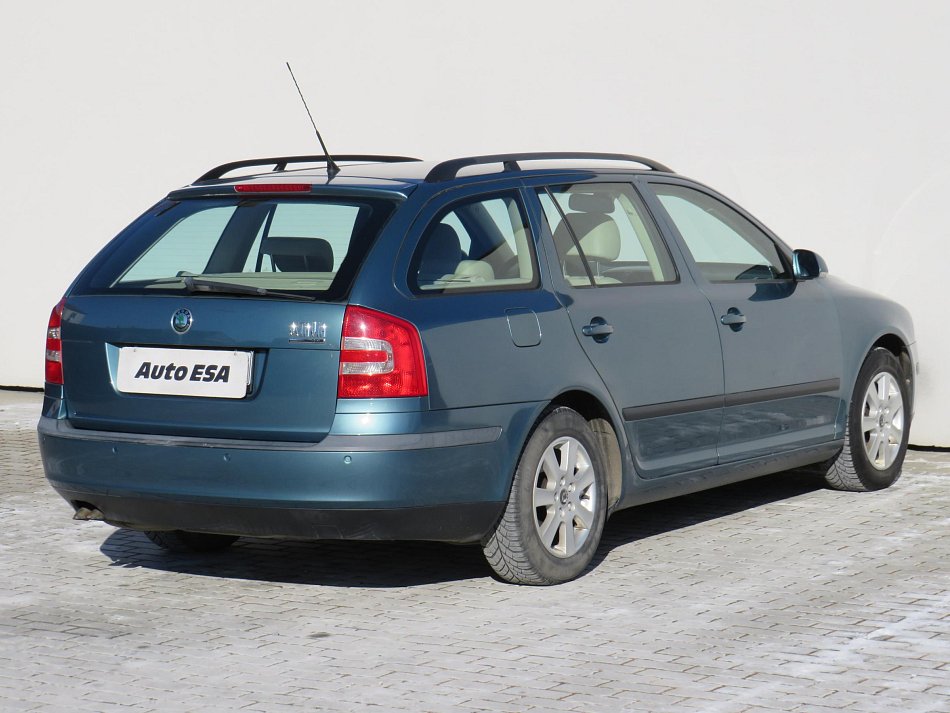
604,235
479,244
312,246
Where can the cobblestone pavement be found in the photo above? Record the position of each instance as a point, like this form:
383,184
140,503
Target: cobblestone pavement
770,595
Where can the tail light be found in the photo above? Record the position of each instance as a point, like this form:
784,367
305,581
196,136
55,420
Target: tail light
380,357
54,345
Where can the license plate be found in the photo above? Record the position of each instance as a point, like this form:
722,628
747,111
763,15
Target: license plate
184,372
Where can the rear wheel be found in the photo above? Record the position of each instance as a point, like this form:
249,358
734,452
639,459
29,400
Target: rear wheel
557,507
181,541
877,430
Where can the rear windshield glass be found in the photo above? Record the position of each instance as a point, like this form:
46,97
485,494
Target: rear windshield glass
308,246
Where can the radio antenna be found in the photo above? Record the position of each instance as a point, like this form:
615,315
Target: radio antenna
332,167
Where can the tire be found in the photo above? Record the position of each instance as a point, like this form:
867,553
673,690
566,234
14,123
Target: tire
878,428
555,514
181,541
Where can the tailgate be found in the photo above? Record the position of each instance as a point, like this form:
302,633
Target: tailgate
246,368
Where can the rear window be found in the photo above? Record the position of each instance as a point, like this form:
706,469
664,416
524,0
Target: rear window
308,246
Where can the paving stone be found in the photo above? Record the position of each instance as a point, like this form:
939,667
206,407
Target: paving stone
766,596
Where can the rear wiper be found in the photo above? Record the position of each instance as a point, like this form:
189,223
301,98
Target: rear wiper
231,288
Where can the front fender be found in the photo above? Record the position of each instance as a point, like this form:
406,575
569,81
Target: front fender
868,319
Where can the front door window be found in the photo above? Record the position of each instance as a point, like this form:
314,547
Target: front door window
725,245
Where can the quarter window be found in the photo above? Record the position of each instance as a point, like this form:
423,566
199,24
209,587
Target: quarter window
604,235
476,245
724,244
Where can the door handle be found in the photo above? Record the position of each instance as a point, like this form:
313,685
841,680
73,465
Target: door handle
598,329
733,318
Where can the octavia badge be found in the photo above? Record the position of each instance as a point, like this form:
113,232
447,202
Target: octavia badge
314,332
181,320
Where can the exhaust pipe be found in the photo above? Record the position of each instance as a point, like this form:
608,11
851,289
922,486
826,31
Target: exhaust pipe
87,512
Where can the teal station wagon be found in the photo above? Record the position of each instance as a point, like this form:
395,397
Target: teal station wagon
495,349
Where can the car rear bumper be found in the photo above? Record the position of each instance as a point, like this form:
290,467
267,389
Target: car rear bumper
448,486
459,522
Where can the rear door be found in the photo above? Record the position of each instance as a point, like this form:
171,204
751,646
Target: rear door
780,338
645,327
218,317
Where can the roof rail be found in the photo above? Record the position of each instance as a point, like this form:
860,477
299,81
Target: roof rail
447,170
280,163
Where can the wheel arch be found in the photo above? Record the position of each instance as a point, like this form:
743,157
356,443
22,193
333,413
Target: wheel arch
868,321
900,349
604,426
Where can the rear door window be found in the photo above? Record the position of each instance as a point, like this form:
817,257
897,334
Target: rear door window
604,235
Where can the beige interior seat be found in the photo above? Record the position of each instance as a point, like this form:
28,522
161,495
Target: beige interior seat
441,255
471,271
599,237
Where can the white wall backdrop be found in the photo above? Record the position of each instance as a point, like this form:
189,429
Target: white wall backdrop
828,120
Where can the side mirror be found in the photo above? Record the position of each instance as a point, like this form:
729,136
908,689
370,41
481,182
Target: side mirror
807,265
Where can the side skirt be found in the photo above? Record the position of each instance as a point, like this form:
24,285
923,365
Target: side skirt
644,491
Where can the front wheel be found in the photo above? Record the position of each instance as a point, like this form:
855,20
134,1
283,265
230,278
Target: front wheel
878,427
555,513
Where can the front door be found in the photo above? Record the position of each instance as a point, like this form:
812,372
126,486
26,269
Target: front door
644,325
780,337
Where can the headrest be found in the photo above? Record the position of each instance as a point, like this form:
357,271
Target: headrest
591,203
475,271
299,254
442,251
598,234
